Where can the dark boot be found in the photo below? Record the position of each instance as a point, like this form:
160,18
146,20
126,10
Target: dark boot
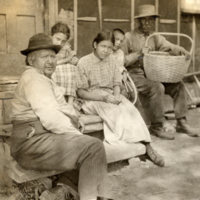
154,157
159,131
183,127
60,192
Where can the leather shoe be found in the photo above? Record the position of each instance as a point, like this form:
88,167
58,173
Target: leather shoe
160,132
154,157
183,127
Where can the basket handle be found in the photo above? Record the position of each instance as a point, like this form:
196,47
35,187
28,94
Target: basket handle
172,34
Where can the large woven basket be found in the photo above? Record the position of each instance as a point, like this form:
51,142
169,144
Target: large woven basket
163,67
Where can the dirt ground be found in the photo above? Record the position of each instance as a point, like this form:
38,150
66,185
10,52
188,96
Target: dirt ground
178,180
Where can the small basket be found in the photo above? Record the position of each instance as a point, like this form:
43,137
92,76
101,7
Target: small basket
162,67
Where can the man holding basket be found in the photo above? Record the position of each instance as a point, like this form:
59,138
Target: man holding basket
133,48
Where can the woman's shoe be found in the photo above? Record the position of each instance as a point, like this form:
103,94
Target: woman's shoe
154,157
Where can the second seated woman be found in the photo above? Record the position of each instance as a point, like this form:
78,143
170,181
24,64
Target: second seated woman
98,82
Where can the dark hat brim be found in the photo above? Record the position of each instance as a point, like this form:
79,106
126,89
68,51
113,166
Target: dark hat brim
56,48
147,15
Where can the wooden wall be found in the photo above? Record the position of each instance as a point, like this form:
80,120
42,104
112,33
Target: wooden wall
19,20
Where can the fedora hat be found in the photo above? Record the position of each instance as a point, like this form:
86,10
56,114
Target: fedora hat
40,41
147,11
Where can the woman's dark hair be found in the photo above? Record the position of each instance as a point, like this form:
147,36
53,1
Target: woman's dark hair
104,35
60,28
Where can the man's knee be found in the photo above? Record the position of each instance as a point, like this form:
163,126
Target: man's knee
156,88
93,143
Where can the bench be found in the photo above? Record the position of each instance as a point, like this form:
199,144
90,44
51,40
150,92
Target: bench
93,127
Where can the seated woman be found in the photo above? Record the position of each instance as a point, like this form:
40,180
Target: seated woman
45,135
64,74
98,82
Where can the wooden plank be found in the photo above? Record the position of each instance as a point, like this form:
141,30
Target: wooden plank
116,20
192,74
7,87
12,42
17,10
6,95
46,17
1,112
100,13
89,19
90,119
156,7
6,130
9,79
7,108
3,39
178,20
10,63
93,127
52,13
5,180
132,14
75,25
167,21
21,175
194,40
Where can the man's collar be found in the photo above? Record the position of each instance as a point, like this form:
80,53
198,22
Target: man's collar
35,69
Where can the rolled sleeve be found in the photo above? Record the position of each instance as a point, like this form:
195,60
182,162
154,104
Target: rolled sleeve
81,76
117,78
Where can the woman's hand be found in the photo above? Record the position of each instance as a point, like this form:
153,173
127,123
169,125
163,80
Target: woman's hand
124,76
67,46
111,99
81,126
119,98
74,60
71,54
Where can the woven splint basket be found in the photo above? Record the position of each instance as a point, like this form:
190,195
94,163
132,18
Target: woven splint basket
163,67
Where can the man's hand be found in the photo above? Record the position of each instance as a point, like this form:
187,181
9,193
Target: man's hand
185,53
146,50
81,126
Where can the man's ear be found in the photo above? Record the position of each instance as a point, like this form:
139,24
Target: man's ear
95,45
30,61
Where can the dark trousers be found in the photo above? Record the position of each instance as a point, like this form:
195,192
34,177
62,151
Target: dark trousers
65,152
154,93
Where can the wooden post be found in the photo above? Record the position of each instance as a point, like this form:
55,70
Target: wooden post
157,5
178,20
75,25
132,14
46,17
52,13
100,13
194,39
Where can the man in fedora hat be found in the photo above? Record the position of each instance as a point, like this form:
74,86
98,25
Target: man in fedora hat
154,91
45,127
